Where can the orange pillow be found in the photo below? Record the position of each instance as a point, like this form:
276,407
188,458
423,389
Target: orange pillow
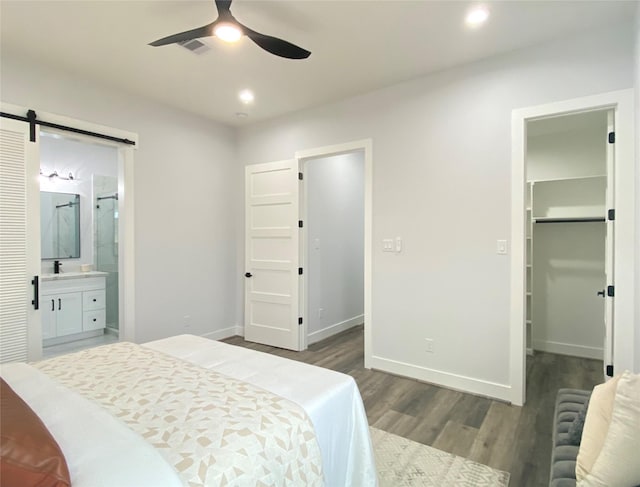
29,455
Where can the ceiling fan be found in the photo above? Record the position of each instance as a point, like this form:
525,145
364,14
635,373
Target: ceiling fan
227,28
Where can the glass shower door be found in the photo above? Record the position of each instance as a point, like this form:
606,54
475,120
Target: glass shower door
106,245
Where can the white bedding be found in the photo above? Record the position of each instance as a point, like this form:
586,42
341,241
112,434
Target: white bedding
101,451
331,400
213,429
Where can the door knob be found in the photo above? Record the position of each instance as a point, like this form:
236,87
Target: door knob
248,274
601,293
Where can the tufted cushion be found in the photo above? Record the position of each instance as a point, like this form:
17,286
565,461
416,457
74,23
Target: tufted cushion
575,429
569,402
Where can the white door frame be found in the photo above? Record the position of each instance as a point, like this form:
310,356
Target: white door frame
365,146
625,261
126,245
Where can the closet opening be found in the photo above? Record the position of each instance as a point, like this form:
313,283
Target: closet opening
569,222
584,178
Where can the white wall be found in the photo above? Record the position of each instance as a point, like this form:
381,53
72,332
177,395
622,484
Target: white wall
335,230
568,271
83,160
441,179
186,197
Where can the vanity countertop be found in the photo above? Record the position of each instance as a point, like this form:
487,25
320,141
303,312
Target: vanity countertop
72,275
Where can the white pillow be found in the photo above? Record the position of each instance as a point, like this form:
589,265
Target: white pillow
618,464
596,425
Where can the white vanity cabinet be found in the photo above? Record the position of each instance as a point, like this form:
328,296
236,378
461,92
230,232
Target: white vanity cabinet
71,305
61,314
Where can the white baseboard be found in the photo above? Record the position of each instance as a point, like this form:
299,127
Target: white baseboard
445,379
568,349
221,334
331,330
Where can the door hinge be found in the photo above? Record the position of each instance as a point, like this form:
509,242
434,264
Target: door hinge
610,291
609,370
300,176
300,224
612,137
611,214
299,321
299,271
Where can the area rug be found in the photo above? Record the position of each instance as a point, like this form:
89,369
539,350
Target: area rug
403,462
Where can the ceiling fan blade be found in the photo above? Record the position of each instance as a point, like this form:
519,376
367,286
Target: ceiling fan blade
276,46
223,6
203,31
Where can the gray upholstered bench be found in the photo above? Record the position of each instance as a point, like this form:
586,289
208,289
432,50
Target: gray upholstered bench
564,454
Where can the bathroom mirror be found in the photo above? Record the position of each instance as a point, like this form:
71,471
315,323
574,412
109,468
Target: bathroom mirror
60,225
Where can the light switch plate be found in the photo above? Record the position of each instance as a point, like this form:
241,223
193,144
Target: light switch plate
398,244
387,245
501,247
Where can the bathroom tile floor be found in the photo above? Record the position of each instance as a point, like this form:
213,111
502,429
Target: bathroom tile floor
76,346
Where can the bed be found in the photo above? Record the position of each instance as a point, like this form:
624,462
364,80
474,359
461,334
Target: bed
187,410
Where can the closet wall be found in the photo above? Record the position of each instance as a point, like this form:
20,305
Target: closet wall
566,170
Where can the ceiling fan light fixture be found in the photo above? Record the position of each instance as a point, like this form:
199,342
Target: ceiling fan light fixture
477,16
227,32
246,96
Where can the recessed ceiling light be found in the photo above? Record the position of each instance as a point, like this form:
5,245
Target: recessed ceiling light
246,96
477,16
227,32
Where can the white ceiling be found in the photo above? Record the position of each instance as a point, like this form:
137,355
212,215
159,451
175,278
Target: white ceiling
357,46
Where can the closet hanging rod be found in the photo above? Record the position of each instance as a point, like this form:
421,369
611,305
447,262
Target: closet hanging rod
32,121
570,220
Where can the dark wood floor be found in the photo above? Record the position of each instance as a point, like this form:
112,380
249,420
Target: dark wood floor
510,438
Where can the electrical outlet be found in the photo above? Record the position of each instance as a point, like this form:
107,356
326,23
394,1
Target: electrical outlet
186,321
428,345
320,313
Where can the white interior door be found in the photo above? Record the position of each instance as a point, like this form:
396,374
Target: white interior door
20,328
609,249
272,254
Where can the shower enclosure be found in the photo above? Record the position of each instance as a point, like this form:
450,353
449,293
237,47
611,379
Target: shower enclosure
106,242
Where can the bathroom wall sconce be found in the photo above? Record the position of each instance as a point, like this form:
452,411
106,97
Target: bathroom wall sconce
55,174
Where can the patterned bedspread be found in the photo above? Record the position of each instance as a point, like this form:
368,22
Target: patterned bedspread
213,429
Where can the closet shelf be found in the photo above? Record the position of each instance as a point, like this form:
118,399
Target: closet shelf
577,178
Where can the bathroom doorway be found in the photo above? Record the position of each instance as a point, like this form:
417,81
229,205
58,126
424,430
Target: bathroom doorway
79,240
